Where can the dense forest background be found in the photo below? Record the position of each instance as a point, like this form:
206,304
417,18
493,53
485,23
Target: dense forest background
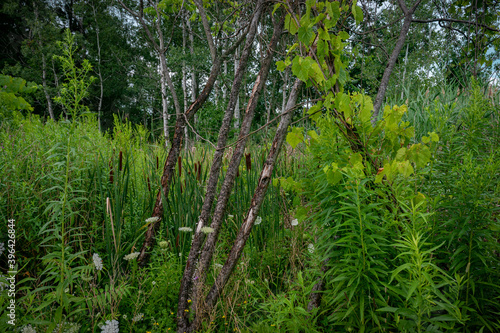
249,166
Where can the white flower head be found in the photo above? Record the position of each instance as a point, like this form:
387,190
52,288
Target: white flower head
163,244
207,230
152,219
28,329
124,316
138,317
218,265
2,248
231,216
310,248
110,326
67,327
131,256
97,261
185,229
295,222
153,283
258,220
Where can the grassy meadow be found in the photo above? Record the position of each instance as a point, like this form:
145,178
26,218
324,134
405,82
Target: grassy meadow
418,253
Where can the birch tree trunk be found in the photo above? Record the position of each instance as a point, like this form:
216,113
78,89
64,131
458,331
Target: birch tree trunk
44,67
237,107
184,88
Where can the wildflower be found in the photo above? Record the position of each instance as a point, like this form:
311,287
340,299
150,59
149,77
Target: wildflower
207,230
97,261
138,317
124,316
218,265
258,220
310,247
163,244
189,301
131,256
28,329
153,283
186,310
67,327
110,326
152,219
230,216
295,222
2,248
186,229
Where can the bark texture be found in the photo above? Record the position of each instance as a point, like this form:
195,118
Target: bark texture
394,57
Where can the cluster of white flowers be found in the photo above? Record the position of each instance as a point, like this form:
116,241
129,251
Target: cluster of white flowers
110,326
185,229
218,265
207,230
163,244
138,317
152,219
131,256
258,220
67,327
310,247
2,248
97,261
295,222
28,329
3,283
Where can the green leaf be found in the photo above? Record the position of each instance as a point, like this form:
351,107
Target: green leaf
280,65
314,113
305,35
291,25
434,137
359,14
295,136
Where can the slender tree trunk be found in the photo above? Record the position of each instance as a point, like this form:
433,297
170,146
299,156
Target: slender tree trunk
101,86
194,79
394,57
184,88
183,322
45,88
44,66
164,104
237,107
285,86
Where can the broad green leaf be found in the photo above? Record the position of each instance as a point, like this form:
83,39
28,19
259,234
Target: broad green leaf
295,136
400,155
291,25
314,113
305,35
434,137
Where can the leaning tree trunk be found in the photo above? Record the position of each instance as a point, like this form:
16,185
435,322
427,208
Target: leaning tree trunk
394,57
